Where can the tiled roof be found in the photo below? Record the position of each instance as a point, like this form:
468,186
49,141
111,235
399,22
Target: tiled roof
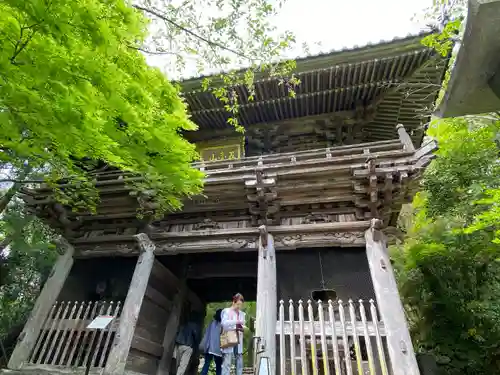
186,81
402,77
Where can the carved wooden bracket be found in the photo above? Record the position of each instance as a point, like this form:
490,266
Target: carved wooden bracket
262,197
342,239
207,224
316,218
60,214
375,228
263,235
63,245
144,243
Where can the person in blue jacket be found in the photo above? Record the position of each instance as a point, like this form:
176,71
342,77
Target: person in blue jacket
210,345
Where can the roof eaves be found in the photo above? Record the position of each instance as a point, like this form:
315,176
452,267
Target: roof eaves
334,57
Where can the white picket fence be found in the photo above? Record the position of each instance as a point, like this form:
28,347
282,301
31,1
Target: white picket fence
336,338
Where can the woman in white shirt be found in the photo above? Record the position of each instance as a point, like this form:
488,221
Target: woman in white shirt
233,319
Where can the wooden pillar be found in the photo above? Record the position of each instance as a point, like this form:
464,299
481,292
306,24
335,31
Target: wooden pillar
402,356
405,138
121,345
171,330
267,301
45,301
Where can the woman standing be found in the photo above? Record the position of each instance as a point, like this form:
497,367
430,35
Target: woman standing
233,319
210,345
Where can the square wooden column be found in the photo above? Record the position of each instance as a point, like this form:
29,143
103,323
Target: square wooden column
267,301
117,359
45,301
402,356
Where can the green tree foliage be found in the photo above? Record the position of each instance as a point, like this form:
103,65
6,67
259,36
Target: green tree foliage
72,93
28,266
75,91
207,36
449,267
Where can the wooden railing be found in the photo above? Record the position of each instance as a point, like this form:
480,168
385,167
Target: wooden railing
335,338
300,156
65,340
342,154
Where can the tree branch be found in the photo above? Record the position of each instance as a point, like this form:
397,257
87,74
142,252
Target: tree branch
7,197
152,52
187,31
20,45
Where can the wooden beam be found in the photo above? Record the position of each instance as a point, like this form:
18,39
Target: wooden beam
341,154
344,226
158,298
405,138
391,309
267,300
222,269
426,149
146,346
45,301
117,358
237,244
166,274
235,232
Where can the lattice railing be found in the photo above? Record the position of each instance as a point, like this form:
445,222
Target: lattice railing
65,340
331,338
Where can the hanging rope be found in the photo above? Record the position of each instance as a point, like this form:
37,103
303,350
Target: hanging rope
323,284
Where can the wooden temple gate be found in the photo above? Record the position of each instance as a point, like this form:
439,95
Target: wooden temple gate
321,175
54,338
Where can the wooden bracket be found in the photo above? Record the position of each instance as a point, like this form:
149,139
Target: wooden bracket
262,197
405,138
207,223
263,236
375,228
63,245
144,243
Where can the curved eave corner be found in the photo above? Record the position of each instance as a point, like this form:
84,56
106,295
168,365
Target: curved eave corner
474,86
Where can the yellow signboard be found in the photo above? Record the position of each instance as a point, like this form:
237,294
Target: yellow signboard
230,149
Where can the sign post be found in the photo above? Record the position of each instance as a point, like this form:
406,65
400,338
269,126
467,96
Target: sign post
100,323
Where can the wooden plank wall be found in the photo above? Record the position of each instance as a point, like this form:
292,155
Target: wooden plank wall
147,344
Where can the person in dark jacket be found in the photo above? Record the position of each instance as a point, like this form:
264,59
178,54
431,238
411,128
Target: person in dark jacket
210,345
187,339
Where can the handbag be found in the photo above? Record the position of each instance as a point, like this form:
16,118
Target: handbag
229,339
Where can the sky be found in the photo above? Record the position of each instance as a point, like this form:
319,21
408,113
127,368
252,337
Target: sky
346,23
327,25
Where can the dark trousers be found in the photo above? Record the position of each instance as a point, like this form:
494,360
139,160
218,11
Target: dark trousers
208,360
